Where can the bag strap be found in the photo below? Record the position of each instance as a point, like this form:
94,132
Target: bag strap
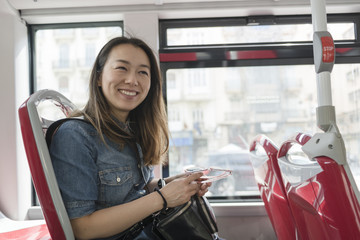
55,126
207,213
134,147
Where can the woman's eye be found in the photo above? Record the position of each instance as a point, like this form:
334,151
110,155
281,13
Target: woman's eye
121,68
144,73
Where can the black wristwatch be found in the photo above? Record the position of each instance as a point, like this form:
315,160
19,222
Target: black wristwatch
161,183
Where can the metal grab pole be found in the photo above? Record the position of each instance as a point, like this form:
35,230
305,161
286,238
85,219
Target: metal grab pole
330,142
323,82
318,14
323,78
324,58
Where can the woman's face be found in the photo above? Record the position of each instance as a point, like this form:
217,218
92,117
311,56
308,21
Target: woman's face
125,79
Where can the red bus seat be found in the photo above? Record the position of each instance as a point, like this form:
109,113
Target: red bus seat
322,199
36,114
267,173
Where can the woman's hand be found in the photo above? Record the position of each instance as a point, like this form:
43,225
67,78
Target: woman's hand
203,188
180,189
172,178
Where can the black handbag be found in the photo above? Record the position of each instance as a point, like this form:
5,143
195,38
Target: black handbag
193,220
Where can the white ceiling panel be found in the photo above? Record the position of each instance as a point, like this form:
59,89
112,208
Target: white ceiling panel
53,11
39,4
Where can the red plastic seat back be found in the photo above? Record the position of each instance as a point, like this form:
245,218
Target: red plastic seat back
321,197
268,177
34,116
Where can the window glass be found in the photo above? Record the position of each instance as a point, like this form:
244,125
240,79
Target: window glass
214,113
64,58
253,34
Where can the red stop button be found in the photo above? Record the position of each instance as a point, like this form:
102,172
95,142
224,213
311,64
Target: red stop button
328,49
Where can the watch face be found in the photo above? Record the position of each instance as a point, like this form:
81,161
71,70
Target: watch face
161,183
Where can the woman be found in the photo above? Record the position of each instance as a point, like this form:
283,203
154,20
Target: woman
104,164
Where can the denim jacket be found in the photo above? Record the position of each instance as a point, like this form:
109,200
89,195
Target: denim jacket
91,175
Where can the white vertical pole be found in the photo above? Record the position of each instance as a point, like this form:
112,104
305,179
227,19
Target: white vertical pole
324,89
318,15
319,22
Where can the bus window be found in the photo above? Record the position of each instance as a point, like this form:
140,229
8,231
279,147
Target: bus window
225,84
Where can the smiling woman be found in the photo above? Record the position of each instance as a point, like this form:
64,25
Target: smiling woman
124,134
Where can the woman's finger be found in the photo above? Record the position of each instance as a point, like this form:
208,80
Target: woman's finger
194,176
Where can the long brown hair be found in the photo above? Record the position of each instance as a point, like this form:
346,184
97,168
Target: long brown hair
148,121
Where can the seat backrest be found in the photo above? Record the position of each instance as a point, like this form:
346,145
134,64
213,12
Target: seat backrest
36,114
321,197
267,173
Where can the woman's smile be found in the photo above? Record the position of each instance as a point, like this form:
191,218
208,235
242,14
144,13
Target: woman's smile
128,92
